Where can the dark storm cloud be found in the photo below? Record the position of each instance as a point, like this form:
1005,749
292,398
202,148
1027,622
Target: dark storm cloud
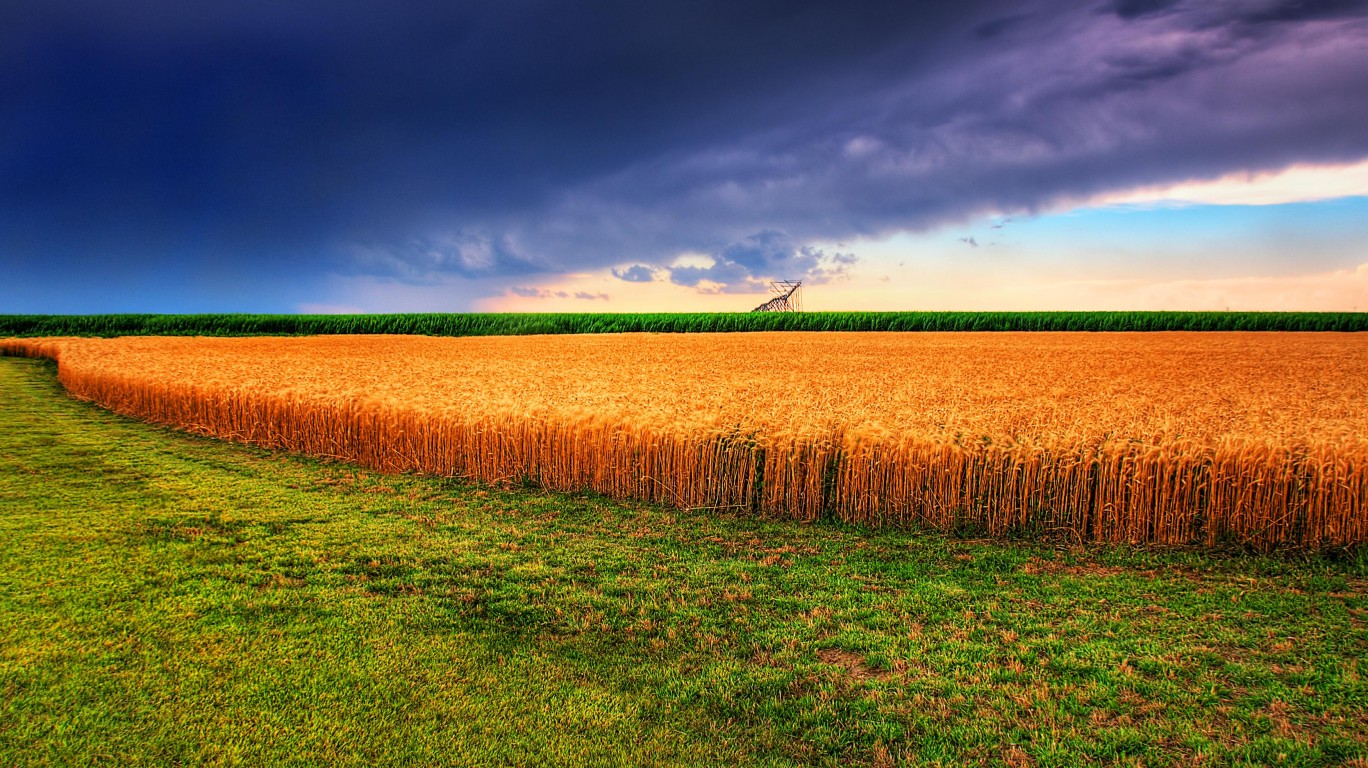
998,26
428,259
1132,9
284,139
1305,10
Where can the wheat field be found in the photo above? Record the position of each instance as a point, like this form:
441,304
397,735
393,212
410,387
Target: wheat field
1256,439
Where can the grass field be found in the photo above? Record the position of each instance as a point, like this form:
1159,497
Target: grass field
166,599
522,324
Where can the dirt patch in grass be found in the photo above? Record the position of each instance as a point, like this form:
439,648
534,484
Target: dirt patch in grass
853,664
1036,566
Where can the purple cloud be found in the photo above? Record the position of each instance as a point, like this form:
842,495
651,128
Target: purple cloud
747,265
528,292
537,293
637,273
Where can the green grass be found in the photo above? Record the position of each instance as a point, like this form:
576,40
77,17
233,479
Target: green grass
524,324
169,600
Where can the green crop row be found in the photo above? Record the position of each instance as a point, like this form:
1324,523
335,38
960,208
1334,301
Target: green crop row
433,324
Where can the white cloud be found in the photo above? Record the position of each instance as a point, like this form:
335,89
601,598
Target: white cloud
961,288
1338,290
1298,184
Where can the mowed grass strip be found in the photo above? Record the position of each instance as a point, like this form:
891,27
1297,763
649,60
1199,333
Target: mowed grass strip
166,598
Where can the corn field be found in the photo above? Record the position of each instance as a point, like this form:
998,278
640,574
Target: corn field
523,324
1254,439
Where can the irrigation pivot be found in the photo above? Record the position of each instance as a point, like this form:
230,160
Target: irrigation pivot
786,297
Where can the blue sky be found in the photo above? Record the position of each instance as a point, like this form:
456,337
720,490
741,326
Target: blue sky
615,156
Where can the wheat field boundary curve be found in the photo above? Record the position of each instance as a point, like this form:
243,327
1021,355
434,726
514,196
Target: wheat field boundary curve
1251,439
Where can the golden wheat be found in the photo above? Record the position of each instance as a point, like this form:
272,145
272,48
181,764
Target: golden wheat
1257,438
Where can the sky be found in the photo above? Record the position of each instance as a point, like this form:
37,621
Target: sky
283,156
